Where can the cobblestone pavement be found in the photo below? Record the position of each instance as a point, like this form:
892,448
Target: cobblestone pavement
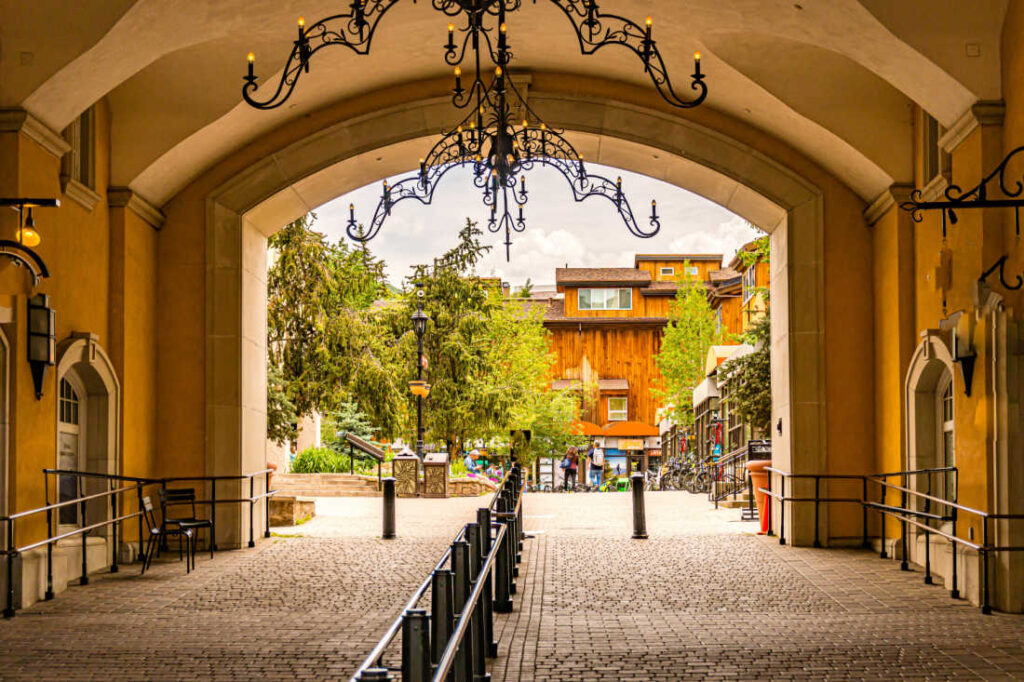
594,605
591,605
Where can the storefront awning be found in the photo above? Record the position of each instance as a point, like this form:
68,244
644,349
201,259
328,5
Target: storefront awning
705,390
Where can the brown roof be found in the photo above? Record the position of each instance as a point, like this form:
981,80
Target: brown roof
623,276
660,289
556,310
722,275
613,384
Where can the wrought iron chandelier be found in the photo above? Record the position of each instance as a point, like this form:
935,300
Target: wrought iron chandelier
501,137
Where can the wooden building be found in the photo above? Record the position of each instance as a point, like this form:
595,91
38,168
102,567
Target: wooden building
607,325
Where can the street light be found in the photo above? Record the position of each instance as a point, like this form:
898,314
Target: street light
419,387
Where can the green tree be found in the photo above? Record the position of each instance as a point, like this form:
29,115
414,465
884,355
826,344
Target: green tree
750,378
317,337
691,331
525,290
455,344
281,417
521,361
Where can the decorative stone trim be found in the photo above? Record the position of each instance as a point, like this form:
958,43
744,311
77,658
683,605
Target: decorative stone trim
81,194
886,200
20,121
934,189
981,114
122,197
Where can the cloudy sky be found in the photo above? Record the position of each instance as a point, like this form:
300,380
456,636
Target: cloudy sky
559,231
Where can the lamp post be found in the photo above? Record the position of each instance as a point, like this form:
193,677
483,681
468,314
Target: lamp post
419,387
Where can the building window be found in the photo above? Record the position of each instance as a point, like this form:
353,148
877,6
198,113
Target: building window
935,160
69,454
947,451
68,403
617,409
79,164
718,320
691,271
668,272
749,282
606,299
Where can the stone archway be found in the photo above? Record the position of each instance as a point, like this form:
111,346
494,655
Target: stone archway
242,212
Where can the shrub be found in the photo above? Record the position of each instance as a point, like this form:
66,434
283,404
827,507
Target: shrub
327,461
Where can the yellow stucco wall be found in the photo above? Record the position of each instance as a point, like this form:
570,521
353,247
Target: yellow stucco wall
103,273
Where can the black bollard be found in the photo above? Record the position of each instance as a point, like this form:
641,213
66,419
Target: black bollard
415,646
389,508
639,517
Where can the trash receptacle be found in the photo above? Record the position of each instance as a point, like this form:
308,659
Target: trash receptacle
435,474
758,480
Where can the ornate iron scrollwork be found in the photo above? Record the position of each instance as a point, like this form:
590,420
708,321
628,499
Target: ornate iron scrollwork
979,196
488,139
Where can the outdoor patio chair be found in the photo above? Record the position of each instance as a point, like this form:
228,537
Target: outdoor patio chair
179,497
158,532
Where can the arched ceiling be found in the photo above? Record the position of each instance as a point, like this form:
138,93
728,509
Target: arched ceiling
834,78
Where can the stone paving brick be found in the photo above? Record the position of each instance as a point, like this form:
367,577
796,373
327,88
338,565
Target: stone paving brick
703,598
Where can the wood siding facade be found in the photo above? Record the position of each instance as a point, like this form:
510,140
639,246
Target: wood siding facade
590,352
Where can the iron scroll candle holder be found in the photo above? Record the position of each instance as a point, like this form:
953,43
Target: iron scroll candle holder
499,151
355,30
956,199
489,139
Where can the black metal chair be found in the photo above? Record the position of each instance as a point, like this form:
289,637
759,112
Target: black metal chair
158,532
178,497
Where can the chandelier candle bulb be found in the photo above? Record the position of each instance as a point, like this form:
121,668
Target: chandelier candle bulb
696,64
251,58
450,47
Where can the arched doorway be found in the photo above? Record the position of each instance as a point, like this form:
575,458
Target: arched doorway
931,437
88,417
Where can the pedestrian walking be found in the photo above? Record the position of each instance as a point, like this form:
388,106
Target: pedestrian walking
596,465
571,469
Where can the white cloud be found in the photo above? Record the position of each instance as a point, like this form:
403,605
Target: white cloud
559,230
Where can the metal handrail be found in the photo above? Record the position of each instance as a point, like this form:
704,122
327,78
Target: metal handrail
375,655
906,516
931,498
76,531
462,626
65,503
374,658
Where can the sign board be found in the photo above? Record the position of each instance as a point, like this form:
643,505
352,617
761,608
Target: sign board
631,444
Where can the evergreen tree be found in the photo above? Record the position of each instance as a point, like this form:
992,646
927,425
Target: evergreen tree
317,295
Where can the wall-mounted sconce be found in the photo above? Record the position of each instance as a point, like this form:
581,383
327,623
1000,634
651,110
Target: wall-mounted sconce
20,249
963,357
42,345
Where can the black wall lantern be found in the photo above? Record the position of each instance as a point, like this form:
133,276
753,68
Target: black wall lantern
42,345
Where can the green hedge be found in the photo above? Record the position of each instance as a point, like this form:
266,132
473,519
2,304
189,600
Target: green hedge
327,461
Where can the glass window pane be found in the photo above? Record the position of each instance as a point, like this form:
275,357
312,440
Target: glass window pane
625,299
585,299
